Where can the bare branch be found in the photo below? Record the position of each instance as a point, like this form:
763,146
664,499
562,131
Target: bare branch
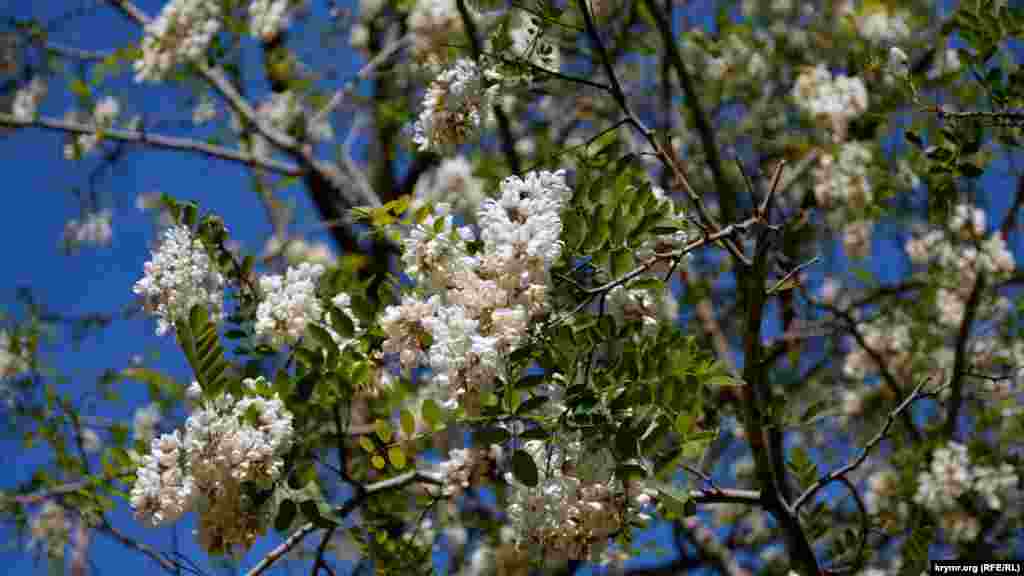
832,476
156,140
343,511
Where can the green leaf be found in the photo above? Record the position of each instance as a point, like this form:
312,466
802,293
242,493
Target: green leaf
397,457
524,468
342,324
531,404
696,444
378,462
622,262
383,430
675,500
367,444
408,422
684,423
969,170
484,437
813,410
286,513
537,433
432,413
323,337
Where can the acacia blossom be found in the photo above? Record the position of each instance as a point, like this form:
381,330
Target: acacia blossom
179,276
28,98
94,229
455,106
181,33
452,183
289,304
228,441
835,100
103,115
952,476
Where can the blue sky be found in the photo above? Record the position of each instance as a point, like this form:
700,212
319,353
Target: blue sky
40,198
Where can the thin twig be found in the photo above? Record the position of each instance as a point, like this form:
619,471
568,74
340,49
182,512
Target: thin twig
156,140
831,476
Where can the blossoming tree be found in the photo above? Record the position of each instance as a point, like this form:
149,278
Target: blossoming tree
602,269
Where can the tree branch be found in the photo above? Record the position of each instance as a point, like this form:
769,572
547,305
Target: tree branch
156,140
342,511
841,472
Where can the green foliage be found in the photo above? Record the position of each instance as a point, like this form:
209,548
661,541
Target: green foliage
197,336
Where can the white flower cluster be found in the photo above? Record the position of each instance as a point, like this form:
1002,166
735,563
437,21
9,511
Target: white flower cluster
297,251
876,24
466,467
964,251
890,339
949,63
145,421
225,443
882,499
574,508
455,106
736,57
841,179
951,477
652,309
451,183
13,363
268,17
104,113
857,238
93,230
484,302
181,32
834,100
50,528
205,110
433,25
180,276
27,99
898,63
289,304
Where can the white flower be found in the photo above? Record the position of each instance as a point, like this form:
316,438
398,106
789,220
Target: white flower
179,276
451,183
995,484
455,106
50,528
433,23
289,304
205,110
145,422
225,443
878,26
28,98
899,63
182,32
836,100
94,230
268,17
948,477
13,363
857,239
948,63
842,181
91,441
